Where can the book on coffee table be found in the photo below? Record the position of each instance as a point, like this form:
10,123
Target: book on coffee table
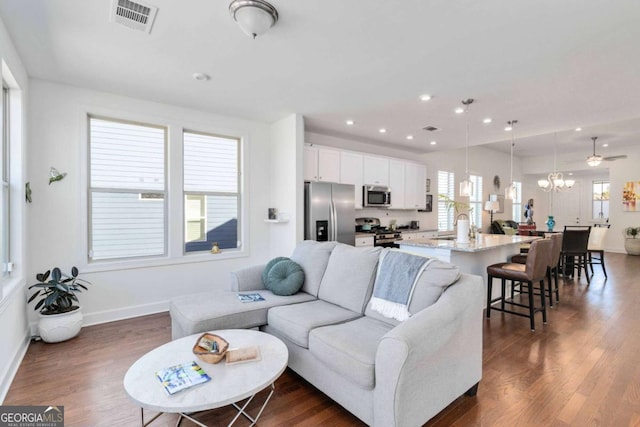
180,377
243,355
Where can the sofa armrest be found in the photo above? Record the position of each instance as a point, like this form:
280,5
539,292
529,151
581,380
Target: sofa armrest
247,279
428,361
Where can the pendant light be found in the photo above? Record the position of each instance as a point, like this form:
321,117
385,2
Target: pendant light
511,192
466,186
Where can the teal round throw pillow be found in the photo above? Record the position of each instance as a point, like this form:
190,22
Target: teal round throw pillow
270,264
285,278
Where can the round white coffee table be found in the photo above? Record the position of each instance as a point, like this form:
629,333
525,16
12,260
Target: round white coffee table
228,385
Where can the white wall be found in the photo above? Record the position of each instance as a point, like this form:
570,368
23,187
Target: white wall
57,217
14,333
286,184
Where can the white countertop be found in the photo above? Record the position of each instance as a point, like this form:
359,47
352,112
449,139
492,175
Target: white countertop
484,243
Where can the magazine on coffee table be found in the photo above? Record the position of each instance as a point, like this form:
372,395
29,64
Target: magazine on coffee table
180,377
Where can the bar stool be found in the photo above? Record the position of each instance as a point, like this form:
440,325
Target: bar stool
533,271
552,268
575,255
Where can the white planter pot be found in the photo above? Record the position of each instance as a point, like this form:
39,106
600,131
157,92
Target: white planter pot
632,246
60,327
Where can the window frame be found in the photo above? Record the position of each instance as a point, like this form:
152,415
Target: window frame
450,192
516,205
239,194
5,181
601,183
476,201
140,191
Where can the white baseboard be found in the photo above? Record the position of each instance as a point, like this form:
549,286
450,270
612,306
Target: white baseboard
13,366
107,316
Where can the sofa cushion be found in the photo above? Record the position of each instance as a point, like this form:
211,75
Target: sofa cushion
269,266
285,277
435,278
295,321
313,258
350,348
223,310
348,280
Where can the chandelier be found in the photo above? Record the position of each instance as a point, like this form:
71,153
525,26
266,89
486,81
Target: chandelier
555,180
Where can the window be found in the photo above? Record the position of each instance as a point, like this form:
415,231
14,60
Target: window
517,211
476,202
446,185
211,191
4,173
600,200
127,189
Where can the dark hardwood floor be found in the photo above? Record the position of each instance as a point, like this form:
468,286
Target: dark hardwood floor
581,369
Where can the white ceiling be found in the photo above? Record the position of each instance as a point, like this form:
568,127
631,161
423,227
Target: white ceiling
552,65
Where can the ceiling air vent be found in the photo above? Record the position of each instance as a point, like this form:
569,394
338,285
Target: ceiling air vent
430,128
135,15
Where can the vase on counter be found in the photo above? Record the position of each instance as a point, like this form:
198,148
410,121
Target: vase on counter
550,223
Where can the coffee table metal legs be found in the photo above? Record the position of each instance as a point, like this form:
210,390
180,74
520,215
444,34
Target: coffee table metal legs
241,411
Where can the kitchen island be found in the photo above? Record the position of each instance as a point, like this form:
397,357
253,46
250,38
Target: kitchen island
472,257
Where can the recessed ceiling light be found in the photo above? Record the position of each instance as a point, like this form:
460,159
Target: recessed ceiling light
382,130
459,110
570,173
433,143
578,129
409,137
202,77
350,122
605,145
487,120
508,128
425,97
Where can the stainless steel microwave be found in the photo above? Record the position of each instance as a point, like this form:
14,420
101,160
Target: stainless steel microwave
376,196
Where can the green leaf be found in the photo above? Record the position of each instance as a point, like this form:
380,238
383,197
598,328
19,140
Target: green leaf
33,297
45,276
56,274
74,272
62,287
39,304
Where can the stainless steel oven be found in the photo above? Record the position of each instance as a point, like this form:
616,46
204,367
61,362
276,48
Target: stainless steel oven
376,196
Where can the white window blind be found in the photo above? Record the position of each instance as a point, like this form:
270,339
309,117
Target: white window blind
517,208
127,190
476,202
211,191
446,184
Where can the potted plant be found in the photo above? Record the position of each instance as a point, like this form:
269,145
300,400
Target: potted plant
632,240
60,317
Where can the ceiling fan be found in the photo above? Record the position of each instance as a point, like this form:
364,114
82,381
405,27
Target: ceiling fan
595,159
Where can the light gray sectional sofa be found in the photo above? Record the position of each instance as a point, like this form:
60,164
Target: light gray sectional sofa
387,373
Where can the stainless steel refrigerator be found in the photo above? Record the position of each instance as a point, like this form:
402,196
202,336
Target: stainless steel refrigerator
329,212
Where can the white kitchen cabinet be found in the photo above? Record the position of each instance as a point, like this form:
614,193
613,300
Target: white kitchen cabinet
376,171
351,173
321,164
364,241
415,178
397,184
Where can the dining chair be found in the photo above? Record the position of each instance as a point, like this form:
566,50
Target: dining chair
595,247
574,254
534,271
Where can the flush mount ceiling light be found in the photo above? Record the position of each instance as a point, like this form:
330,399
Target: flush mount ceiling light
594,160
466,186
254,17
511,192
